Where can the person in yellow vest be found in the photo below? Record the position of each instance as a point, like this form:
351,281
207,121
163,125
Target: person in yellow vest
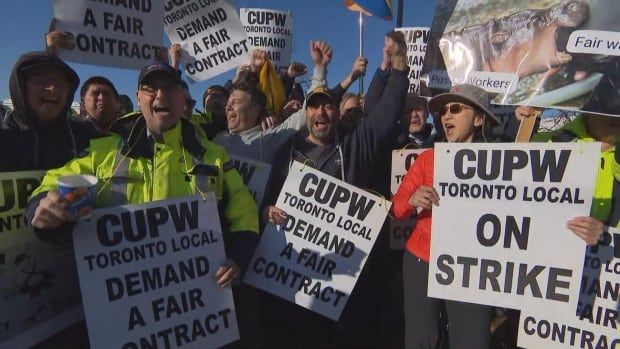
155,155
606,202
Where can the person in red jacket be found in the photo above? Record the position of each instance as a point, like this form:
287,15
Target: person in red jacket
465,117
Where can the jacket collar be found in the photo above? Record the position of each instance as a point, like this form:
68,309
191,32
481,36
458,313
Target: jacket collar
137,143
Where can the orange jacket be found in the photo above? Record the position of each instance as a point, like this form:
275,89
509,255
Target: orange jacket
421,173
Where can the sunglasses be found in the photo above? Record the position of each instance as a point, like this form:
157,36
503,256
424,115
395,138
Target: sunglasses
455,108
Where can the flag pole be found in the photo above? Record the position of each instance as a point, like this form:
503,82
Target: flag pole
361,24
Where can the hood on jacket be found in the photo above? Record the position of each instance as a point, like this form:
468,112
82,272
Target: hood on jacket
22,116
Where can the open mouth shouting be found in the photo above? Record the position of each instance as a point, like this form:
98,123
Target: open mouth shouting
161,110
321,124
449,128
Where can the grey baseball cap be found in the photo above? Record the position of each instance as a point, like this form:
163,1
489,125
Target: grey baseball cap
467,94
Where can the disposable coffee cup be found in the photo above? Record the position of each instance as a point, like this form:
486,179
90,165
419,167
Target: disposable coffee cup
79,191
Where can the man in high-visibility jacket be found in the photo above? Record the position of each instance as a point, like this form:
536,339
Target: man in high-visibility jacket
157,155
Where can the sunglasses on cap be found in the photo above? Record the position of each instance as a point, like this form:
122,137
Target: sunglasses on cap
455,108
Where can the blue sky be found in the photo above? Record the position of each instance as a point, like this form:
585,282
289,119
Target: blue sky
24,23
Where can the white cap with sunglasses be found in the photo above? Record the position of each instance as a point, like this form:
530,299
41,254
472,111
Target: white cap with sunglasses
467,94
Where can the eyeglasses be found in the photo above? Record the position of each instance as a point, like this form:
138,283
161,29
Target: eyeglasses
151,90
455,108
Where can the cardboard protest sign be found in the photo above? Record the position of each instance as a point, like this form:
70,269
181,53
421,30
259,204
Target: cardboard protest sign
596,323
400,230
147,275
315,257
416,39
255,175
39,293
503,208
210,33
271,31
546,53
124,34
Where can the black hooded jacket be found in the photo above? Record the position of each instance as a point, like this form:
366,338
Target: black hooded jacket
28,144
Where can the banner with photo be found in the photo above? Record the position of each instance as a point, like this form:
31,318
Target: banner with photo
39,290
271,31
547,53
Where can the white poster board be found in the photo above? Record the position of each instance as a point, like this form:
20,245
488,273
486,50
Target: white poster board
596,323
315,258
39,291
147,275
124,34
400,230
271,31
210,34
503,209
255,175
416,39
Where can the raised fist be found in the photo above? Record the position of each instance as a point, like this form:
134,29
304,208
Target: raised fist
320,52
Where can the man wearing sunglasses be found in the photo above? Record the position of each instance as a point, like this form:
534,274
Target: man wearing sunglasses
162,156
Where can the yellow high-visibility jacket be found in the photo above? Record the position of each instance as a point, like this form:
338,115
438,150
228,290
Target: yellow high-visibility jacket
133,169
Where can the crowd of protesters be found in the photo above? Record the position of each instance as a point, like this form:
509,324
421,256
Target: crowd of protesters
344,135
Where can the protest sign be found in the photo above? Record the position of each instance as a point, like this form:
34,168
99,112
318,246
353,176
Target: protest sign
124,34
560,53
596,324
416,39
400,230
147,275
503,208
211,35
255,175
315,257
39,293
271,31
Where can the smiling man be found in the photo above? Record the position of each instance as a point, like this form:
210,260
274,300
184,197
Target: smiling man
246,106
40,126
346,154
415,123
156,155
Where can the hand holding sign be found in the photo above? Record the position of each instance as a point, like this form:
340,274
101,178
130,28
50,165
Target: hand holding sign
424,197
321,53
588,228
524,112
175,55
227,273
56,40
274,215
259,57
